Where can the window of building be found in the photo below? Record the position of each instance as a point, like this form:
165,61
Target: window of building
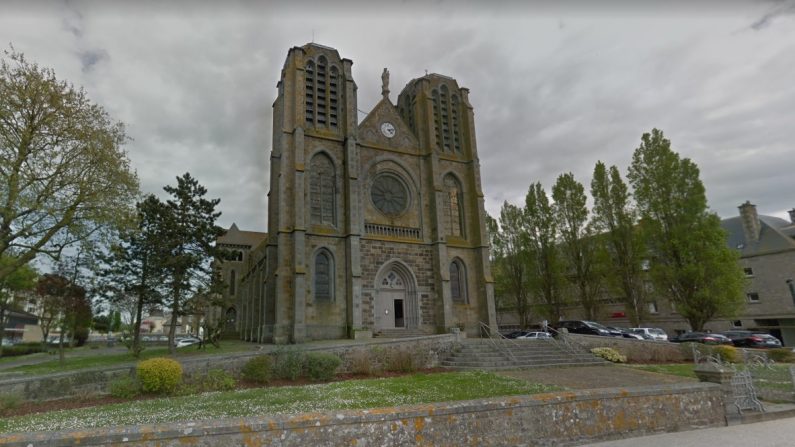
232,280
322,87
447,120
324,277
452,207
309,101
753,297
737,323
322,183
749,272
653,307
457,282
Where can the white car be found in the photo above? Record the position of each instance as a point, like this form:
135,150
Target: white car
534,336
650,333
187,341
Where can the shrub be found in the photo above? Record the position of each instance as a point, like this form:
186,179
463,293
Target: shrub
400,360
782,355
159,375
288,365
220,380
258,369
9,401
726,353
22,349
321,365
125,388
360,362
609,354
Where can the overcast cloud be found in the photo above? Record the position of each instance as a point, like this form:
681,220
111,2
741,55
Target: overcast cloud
555,88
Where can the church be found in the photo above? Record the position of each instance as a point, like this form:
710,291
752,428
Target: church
373,226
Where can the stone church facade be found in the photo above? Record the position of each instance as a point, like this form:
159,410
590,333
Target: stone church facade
373,225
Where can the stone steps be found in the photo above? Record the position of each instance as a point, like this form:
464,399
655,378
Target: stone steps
482,354
399,333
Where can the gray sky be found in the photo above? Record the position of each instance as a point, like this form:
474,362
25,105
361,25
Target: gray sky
555,88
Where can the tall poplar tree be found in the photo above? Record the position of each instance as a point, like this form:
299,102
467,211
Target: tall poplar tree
511,260
616,219
546,276
583,269
690,260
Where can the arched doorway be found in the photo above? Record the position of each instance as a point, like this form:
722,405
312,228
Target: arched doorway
396,298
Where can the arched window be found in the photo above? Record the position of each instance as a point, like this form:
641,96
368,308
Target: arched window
309,102
447,120
324,277
458,282
232,280
452,207
455,114
332,95
322,183
322,93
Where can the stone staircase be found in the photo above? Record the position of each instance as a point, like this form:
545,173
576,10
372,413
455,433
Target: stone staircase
492,355
399,333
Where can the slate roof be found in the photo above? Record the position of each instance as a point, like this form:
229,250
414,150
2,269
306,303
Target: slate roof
775,235
235,236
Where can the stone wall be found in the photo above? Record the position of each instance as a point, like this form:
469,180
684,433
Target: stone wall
97,381
552,419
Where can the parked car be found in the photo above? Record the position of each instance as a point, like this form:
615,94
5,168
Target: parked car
181,342
535,336
749,339
650,333
517,334
703,337
586,327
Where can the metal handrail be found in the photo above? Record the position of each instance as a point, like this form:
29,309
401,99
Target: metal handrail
568,344
485,327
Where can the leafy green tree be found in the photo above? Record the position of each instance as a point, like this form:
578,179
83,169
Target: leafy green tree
134,268
690,260
615,217
115,321
510,265
22,278
546,278
74,306
101,323
580,248
188,234
64,175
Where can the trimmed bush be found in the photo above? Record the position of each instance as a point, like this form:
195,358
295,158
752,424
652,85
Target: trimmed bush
219,380
159,375
258,369
782,355
321,365
125,388
9,401
22,349
360,362
288,365
609,354
400,360
726,353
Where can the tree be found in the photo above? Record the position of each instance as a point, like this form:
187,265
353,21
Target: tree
23,278
63,174
188,234
101,323
133,270
689,257
47,305
614,216
578,243
115,321
74,306
541,235
511,260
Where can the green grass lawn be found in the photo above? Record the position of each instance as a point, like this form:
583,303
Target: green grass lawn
674,369
778,377
352,394
106,360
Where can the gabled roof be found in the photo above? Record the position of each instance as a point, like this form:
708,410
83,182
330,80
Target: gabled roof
369,129
235,236
775,235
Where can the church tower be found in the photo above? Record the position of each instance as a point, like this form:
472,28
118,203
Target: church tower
376,226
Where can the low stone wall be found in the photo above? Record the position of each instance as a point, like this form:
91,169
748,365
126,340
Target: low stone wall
636,350
97,381
551,419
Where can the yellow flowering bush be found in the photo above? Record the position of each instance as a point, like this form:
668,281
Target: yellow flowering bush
159,375
609,354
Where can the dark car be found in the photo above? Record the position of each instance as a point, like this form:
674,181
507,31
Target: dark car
703,337
587,328
749,339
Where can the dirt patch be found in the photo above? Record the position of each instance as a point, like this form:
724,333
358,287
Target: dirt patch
587,377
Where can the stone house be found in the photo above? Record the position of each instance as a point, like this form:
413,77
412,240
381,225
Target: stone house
376,225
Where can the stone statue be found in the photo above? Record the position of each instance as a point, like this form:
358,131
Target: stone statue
385,83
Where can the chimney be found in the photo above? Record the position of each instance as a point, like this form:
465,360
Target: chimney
751,225
792,215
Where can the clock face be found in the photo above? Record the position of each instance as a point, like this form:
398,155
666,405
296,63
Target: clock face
389,195
388,129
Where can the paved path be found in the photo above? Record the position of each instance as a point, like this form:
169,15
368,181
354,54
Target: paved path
780,433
